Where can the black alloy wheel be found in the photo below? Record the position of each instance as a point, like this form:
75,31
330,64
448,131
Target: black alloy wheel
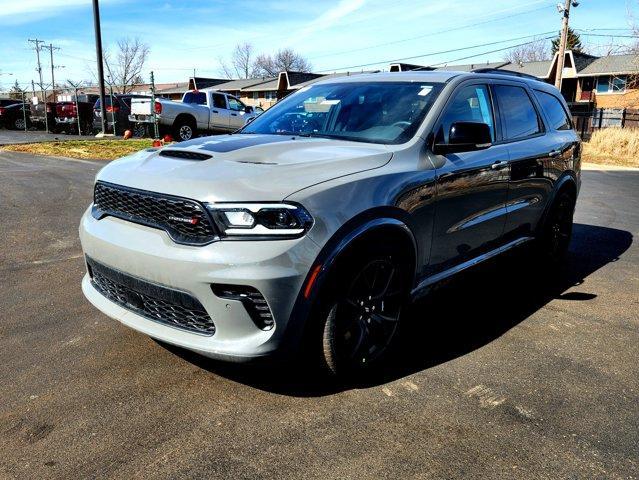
363,321
558,230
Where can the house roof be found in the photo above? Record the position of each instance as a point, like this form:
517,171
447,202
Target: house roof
178,87
612,64
266,85
242,84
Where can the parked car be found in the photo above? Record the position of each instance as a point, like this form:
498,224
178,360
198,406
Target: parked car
43,115
119,110
68,112
5,102
206,111
13,116
311,227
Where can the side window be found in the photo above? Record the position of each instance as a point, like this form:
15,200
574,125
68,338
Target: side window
235,104
470,104
555,111
219,101
517,111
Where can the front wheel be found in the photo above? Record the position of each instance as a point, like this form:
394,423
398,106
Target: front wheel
363,313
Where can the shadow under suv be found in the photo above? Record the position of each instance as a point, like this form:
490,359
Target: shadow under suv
310,228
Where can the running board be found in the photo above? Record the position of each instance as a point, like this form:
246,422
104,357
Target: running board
421,289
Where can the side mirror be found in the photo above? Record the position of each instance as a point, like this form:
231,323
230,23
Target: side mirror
248,109
466,137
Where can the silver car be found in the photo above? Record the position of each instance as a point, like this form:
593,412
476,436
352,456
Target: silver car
309,229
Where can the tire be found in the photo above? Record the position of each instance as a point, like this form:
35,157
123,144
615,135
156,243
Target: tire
18,123
554,239
361,314
184,130
138,130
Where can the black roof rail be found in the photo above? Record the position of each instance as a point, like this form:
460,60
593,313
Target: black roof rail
505,72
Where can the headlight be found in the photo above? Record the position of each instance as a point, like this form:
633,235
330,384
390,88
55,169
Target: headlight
260,219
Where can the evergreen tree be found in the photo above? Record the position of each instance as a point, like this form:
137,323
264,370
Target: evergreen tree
573,42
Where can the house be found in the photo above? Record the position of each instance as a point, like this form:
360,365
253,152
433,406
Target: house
265,92
610,81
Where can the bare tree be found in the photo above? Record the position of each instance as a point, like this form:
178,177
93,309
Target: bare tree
535,51
241,65
124,68
284,60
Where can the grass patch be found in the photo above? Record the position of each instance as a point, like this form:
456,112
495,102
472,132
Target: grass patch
613,146
84,149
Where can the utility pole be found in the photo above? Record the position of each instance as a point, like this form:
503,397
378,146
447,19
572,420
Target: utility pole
98,53
51,49
37,43
561,53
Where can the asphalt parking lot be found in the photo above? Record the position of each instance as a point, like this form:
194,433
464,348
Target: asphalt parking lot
8,137
506,373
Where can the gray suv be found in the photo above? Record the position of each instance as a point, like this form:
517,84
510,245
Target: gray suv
307,230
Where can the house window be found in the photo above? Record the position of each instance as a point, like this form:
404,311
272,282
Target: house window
611,84
270,95
256,95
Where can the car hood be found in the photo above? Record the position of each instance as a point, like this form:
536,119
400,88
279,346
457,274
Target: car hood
244,167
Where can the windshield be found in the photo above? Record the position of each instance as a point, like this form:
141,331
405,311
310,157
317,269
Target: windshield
195,97
381,112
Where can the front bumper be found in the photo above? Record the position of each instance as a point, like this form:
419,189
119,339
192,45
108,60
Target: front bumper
276,268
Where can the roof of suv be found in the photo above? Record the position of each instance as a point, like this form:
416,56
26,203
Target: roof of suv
438,76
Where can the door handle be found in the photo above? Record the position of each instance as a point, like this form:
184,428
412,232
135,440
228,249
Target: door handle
233,114
554,153
214,111
499,164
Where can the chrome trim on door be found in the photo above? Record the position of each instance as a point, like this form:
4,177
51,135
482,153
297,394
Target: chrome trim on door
419,290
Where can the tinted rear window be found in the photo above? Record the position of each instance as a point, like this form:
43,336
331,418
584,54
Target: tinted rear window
195,97
555,111
517,111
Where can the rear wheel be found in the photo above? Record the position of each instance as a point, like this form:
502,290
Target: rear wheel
184,129
19,124
139,130
363,313
557,233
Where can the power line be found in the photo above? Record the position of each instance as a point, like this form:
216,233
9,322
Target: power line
491,51
437,32
37,43
430,54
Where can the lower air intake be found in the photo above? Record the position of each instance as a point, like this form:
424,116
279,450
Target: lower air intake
158,303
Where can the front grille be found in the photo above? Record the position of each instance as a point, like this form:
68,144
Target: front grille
155,302
185,154
186,221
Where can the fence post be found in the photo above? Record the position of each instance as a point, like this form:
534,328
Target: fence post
24,112
583,124
600,117
623,118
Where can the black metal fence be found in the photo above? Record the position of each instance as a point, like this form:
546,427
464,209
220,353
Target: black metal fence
588,119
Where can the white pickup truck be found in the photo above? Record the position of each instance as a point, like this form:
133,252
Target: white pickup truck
199,110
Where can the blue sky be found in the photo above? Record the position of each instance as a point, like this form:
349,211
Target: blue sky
333,34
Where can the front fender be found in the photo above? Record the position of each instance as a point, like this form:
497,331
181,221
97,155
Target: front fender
364,224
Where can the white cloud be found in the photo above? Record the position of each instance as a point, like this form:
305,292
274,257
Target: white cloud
333,16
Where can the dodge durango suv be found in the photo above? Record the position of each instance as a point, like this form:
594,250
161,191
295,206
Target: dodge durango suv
308,229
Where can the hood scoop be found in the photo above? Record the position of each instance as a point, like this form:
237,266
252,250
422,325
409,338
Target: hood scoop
185,155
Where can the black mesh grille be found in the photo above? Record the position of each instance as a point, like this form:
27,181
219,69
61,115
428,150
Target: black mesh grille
186,221
185,154
161,304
